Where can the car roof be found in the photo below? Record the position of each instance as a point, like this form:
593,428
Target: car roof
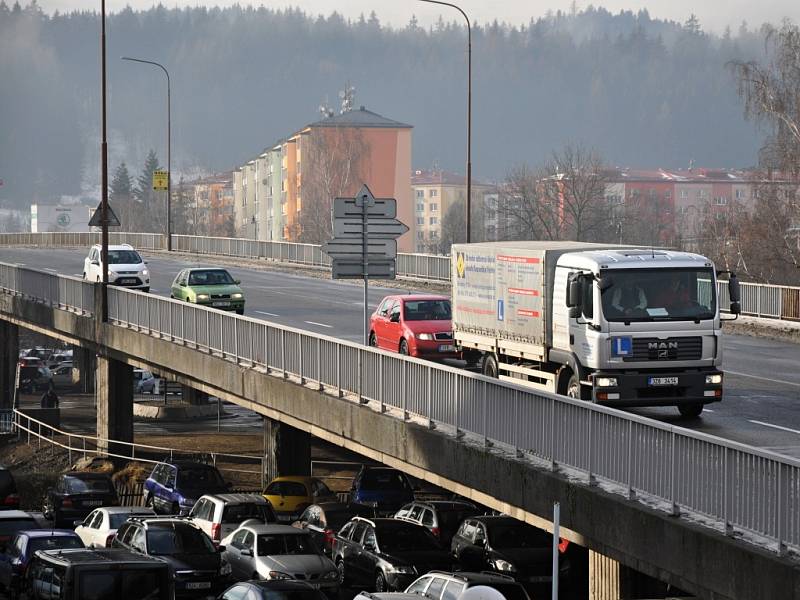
47,533
281,584
208,268
10,515
296,478
86,475
132,510
105,556
240,498
116,246
445,504
185,464
475,577
493,519
422,297
165,520
274,529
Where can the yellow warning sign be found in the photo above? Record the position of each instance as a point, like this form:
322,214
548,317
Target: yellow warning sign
460,264
160,180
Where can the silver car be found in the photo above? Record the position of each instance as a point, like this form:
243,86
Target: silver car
256,551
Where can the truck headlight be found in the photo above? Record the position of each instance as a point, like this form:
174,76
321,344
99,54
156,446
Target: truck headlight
715,379
606,382
424,336
202,297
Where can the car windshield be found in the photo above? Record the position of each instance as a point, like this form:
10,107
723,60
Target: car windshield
199,477
236,513
384,480
210,277
123,257
286,488
87,486
426,310
54,543
117,519
275,544
503,535
404,537
177,538
658,294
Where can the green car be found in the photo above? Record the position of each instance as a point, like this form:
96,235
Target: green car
209,286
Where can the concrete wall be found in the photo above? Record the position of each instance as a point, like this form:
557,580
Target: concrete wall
672,550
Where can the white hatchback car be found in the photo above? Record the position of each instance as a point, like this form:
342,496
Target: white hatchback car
100,526
125,267
220,514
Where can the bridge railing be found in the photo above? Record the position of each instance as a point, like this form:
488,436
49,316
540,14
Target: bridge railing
734,486
60,291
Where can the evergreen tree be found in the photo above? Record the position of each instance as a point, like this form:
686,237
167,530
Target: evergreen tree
152,204
120,195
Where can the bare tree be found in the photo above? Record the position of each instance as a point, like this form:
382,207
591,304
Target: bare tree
333,166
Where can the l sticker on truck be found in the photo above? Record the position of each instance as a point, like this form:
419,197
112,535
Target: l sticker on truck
500,310
622,346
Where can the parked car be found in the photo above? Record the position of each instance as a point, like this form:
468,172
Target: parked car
507,545
34,379
441,585
97,530
386,554
417,325
59,358
384,488
218,515
173,488
125,267
441,517
279,552
104,574
290,496
276,589
76,494
63,376
31,361
323,520
19,551
198,568
9,497
209,286
143,381
12,521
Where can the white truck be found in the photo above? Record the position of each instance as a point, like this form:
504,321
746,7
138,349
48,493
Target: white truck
617,325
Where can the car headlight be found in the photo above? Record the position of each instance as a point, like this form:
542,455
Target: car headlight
331,576
279,575
715,379
605,381
504,565
407,569
237,296
424,336
202,297
145,272
225,568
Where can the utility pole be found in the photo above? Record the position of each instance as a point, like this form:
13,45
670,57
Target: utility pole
103,166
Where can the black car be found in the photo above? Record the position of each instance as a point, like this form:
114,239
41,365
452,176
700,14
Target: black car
77,494
323,520
101,574
9,498
509,546
273,590
386,554
33,379
198,566
441,517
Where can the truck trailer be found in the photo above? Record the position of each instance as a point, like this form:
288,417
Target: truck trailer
616,325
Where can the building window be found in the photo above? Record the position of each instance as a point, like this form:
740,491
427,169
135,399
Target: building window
667,195
420,235
720,200
433,193
434,207
420,220
434,234
684,193
653,194
433,221
420,207
702,193
420,193
741,194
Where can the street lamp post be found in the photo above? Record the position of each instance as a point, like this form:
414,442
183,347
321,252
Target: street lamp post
169,147
103,168
469,110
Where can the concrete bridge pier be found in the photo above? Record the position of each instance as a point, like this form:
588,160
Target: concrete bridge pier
9,356
287,450
193,396
611,580
114,405
85,361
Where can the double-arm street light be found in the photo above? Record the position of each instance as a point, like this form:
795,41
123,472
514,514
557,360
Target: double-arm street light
169,149
469,110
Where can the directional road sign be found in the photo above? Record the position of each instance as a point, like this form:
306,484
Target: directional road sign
351,248
377,227
351,208
344,269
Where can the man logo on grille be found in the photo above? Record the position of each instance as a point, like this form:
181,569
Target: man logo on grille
662,349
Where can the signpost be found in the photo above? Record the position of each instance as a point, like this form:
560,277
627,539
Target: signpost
160,180
364,246
96,219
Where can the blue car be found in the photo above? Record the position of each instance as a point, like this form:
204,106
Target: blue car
18,553
174,487
383,488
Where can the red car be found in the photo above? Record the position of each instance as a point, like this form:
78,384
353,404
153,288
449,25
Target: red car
415,325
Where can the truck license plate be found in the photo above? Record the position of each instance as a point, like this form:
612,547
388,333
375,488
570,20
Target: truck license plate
198,585
662,381
447,348
220,304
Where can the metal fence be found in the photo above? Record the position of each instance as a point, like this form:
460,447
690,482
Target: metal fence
732,487
60,291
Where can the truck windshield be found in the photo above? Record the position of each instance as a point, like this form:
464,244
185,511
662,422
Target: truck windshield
658,294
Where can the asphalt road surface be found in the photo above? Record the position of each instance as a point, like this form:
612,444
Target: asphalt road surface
762,381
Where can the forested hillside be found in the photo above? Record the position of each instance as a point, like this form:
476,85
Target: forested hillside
643,92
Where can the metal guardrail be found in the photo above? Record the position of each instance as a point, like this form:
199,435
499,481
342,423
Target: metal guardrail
59,291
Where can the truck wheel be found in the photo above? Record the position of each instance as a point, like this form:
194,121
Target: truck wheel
490,366
575,389
690,411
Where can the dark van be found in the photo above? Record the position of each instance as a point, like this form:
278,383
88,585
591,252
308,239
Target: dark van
101,574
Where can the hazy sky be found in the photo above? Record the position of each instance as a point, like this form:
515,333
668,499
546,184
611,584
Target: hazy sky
713,14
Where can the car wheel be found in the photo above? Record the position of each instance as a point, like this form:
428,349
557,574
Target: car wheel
403,347
380,582
340,568
84,275
373,341
146,290
690,411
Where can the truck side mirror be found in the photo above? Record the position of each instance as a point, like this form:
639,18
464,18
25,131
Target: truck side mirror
734,291
574,292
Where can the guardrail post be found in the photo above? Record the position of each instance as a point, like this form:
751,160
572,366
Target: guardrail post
69,446
300,353
517,450
338,371
725,493
380,383
590,437
283,353
631,492
484,403
674,509
84,448
319,364
553,464
361,379
429,399
235,339
39,435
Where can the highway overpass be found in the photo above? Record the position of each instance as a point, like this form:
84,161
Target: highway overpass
711,516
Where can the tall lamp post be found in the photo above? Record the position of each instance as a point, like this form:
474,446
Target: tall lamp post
169,148
469,110
103,167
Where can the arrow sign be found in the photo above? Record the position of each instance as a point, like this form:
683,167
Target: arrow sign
350,208
377,227
344,269
352,249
